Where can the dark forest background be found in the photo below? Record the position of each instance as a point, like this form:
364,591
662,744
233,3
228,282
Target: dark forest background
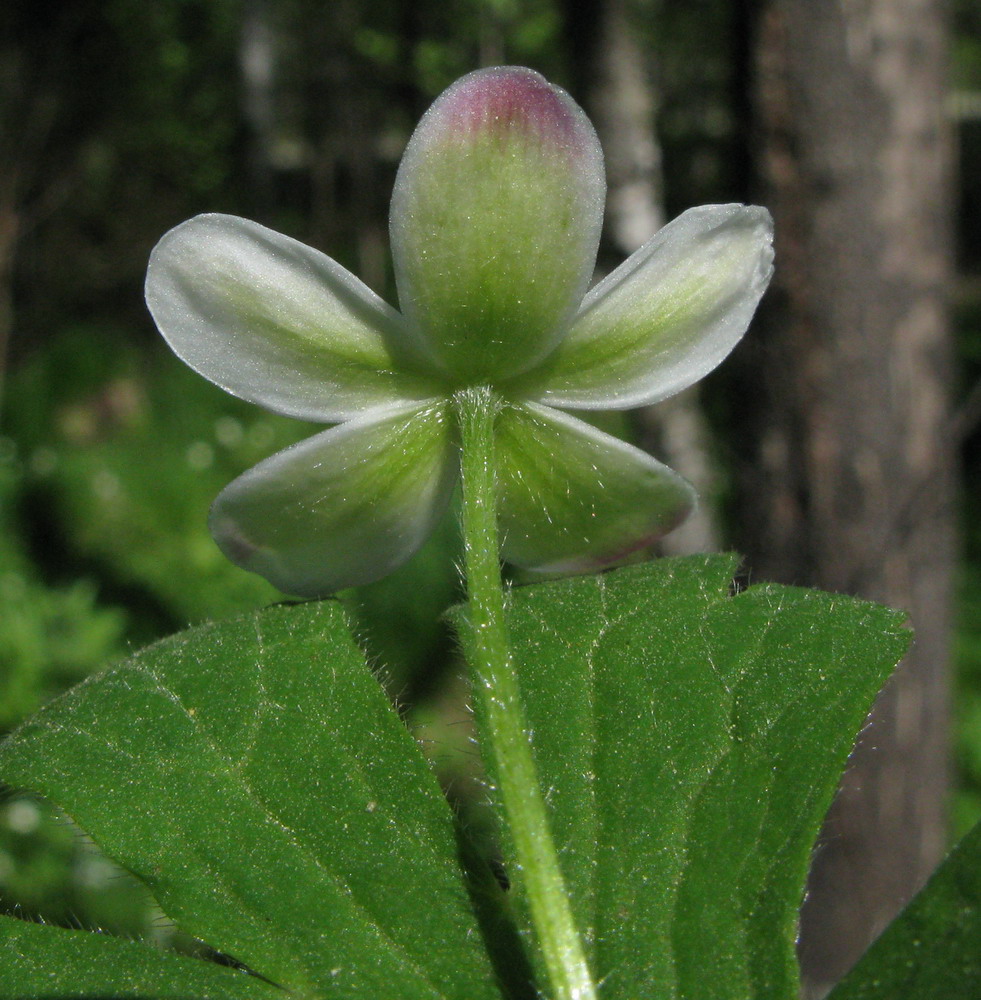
840,447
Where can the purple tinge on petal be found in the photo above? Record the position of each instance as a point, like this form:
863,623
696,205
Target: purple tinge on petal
235,544
511,97
633,551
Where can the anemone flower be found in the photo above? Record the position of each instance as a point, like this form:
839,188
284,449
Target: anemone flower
495,223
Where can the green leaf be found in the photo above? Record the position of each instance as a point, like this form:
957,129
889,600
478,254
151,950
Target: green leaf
254,775
690,743
96,965
933,948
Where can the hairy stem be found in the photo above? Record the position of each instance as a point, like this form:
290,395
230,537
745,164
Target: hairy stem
495,687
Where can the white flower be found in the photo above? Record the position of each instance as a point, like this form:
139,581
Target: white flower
495,222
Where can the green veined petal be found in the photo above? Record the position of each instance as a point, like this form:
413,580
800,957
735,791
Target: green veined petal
574,499
276,322
667,316
495,221
344,507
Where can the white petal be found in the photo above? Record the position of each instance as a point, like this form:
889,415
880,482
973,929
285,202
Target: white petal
276,322
576,500
344,507
667,316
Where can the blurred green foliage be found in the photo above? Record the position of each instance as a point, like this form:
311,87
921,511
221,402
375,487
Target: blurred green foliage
50,637
50,869
967,705
128,447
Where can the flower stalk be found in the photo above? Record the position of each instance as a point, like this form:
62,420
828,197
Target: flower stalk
498,696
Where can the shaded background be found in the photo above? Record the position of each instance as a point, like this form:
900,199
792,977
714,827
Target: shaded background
839,447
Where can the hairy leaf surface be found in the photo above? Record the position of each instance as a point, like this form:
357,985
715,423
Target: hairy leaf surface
254,775
689,743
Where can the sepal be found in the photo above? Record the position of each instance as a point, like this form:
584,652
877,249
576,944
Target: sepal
667,316
343,507
576,500
278,323
495,222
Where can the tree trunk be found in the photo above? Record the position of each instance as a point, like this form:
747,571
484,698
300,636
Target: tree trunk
848,480
622,101
257,65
